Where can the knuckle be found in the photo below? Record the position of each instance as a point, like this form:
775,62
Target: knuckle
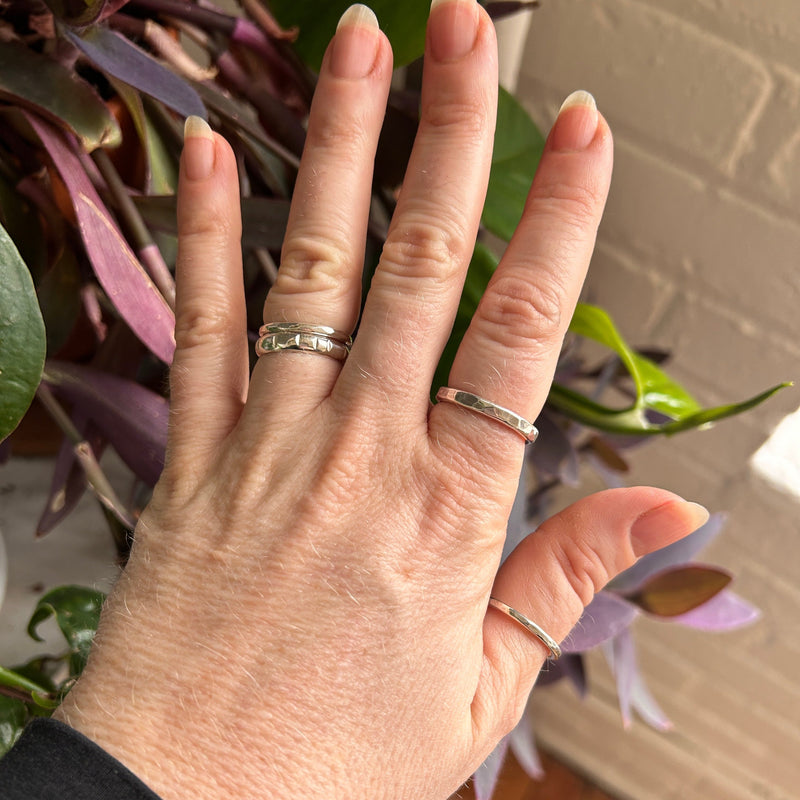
199,324
577,204
310,264
423,249
342,137
516,307
584,568
467,115
206,228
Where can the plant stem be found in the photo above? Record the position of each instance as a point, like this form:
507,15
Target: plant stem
85,455
146,248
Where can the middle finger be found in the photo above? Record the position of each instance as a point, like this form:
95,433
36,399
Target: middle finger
415,290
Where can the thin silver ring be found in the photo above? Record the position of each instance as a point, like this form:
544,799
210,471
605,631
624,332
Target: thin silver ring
305,327
548,641
305,342
489,409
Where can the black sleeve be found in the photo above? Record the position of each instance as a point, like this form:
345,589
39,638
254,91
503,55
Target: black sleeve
52,761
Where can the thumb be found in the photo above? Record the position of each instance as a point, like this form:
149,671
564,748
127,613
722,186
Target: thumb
554,573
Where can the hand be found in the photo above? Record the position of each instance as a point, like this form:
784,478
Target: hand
305,609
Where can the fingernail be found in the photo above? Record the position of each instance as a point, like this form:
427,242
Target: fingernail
355,45
577,122
665,524
198,149
452,28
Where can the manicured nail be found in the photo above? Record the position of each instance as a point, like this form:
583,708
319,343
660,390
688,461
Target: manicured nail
198,149
453,27
355,45
666,523
577,122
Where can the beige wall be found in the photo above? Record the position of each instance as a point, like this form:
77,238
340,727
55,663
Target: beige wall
699,252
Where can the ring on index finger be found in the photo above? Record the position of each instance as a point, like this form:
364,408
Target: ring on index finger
489,409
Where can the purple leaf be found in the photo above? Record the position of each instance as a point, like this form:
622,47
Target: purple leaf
604,618
517,527
131,417
724,612
69,479
632,692
486,776
119,57
645,705
678,553
621,657
523,745
554,454
126,283
570,666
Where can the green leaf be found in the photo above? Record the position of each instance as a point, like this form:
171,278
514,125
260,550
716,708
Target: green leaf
403,22
481,268
518,146
654,388
13,716
162,171
677,591
77,611
22,337
49,88
709,415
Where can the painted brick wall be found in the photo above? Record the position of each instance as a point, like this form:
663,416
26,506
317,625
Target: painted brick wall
699,252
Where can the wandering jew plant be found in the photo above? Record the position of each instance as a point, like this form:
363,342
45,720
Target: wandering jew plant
93,94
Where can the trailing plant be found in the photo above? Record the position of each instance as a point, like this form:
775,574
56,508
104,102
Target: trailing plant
92,99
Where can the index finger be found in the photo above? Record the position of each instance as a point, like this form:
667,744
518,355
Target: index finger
509,352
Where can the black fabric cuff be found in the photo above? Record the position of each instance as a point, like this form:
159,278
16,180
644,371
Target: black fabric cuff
52,761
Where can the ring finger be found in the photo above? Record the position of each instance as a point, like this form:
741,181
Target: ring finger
319,279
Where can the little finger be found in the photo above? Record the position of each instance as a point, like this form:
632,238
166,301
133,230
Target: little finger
208,379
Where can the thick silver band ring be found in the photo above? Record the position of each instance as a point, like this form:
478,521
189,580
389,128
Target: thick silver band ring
548,641
305,327
489,409
307,342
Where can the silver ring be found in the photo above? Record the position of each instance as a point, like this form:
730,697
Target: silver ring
306,342
548,641
489,409
305,327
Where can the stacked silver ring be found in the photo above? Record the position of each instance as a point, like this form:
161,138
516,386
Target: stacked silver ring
276,337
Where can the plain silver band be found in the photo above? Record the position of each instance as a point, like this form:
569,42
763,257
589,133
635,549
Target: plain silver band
489,409
306,342
305,327
548,641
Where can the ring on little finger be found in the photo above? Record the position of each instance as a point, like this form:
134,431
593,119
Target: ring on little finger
489,409
548,641
276,337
